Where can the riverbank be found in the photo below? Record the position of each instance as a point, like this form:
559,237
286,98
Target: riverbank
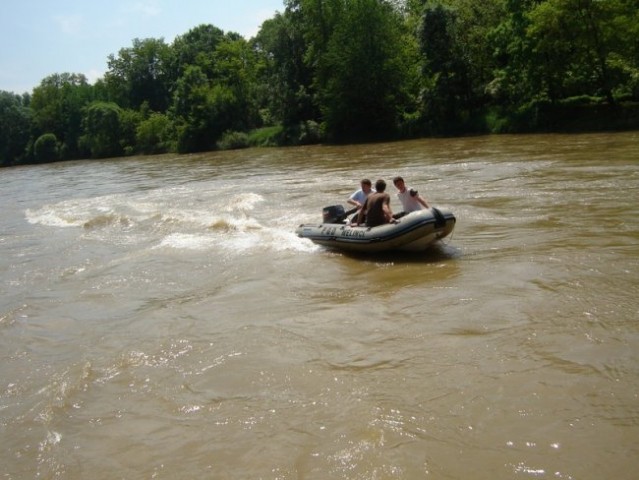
586,116
583,115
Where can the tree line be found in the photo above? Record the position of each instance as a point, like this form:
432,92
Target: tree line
343,71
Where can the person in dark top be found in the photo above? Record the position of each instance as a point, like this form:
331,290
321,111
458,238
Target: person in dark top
376,208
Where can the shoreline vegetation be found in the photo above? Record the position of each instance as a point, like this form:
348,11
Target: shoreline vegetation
344,71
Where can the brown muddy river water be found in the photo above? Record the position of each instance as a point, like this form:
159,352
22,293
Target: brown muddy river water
160,319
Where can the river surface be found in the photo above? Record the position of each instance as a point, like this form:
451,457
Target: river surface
159,318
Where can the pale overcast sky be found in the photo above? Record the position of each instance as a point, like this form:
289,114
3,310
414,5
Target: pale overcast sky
41,37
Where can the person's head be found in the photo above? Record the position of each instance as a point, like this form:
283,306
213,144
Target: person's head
399,183
366,185
380,186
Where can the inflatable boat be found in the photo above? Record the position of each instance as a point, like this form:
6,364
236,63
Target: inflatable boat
412,232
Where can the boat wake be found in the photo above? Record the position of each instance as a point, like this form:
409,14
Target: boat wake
162,220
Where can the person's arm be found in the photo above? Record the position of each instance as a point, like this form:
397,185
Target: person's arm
360,214
353,201
421,200
388,213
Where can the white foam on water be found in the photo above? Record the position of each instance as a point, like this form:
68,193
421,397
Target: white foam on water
95,211
287,240
170,205
243,203
174,218
54,216
186,241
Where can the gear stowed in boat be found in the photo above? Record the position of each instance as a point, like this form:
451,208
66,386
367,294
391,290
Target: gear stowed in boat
412,232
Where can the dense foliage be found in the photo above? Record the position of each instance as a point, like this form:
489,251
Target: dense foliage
343,71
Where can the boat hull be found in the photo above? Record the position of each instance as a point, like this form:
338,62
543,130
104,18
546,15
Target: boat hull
413,232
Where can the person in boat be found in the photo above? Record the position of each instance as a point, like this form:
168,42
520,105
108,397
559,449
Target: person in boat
358,198
410,199
376,209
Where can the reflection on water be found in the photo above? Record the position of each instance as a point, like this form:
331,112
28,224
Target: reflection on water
159,317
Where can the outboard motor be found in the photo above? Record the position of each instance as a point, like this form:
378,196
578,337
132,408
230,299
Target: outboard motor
333,214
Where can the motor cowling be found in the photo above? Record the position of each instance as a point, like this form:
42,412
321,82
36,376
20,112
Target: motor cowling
333,214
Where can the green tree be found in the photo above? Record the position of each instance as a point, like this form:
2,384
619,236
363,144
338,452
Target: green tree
196,47
195,111
141,73
318,19
445,70
102,129
153,134
514,81
56,107
205,106
362,75
583,47
188,112
46,148
624,56
475,21
235,69
129,121
15,122
284,80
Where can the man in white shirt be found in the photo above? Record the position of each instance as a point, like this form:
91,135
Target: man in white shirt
359,197
411,200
